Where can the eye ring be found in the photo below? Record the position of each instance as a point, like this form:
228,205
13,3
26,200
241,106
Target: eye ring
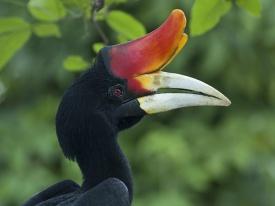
116,91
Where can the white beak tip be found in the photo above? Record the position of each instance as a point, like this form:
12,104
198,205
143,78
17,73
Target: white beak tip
226,101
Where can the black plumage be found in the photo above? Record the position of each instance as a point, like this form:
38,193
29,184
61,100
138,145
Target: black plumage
87,123
111,192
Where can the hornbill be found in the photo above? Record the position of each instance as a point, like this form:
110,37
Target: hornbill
121,87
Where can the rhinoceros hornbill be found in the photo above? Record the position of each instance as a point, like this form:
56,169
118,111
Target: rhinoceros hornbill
121,87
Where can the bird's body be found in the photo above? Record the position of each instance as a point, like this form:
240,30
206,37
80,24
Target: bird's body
114,95
111,192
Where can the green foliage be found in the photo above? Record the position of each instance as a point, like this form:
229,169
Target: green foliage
47,10
14,32
190,157
252,6
84,6
125,24
54,10
173,198
46,30
75,63
109,2
206,14
97,46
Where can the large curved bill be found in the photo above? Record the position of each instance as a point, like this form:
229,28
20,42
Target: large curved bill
164,102
159,80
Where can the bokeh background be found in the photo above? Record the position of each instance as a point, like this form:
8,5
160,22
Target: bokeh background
190,157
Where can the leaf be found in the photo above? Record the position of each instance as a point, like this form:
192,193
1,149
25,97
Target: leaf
252,6
46,30
47,10
14,33
121,38
206,14
75,63
97,46
125,24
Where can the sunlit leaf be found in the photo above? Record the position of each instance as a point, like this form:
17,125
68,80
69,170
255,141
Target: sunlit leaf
46,30
252,6
75,63
206,14
14,32
47,10
125,24
97,46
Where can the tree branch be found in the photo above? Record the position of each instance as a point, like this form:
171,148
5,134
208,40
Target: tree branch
97,5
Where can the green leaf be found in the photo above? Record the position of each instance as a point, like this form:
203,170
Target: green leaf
14,33
46,30
121,38
206,14
47,10
252,6
97,46
75,63
125,24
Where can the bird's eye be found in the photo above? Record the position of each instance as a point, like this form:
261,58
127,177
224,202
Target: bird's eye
116,91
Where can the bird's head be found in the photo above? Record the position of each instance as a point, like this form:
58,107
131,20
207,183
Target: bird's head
124,84
139,63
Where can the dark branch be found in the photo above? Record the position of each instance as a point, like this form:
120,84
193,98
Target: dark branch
97,5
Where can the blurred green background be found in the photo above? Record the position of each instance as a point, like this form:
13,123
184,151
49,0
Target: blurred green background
189,157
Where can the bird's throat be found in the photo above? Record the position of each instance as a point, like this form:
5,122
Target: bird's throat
102,161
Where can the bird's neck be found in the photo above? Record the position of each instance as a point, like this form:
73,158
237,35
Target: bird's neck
102,160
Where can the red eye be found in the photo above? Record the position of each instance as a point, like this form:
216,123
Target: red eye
117,92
